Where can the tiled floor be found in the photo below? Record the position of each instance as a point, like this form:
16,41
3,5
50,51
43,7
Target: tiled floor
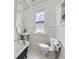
33,53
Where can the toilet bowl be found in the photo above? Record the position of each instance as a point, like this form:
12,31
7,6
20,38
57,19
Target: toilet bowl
45,47
54,46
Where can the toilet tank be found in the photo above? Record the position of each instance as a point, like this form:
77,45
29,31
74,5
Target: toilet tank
52,40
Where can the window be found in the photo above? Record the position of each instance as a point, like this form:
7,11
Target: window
40,20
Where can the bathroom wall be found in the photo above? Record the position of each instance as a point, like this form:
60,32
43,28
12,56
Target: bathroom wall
18,19
15,19
50,17
26,16
60,35
52,29
50,22
60,29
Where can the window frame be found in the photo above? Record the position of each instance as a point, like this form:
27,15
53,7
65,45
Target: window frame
40,21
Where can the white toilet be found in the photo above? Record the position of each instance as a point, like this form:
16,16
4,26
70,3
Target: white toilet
44,48
54,46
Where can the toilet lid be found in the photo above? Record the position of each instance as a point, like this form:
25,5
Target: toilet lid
43,45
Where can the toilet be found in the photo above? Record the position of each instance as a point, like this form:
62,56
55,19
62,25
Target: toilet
54,46
44,48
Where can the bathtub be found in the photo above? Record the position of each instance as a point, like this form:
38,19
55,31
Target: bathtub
19,47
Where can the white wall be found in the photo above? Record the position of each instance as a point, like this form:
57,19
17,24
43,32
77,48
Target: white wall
18,19
26,18
49,7
60,35
60,30
51,27
50,17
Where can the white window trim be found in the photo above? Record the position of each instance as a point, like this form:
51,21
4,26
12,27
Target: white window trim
40,22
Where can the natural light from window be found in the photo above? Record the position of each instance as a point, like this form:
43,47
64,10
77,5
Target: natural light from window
40,20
